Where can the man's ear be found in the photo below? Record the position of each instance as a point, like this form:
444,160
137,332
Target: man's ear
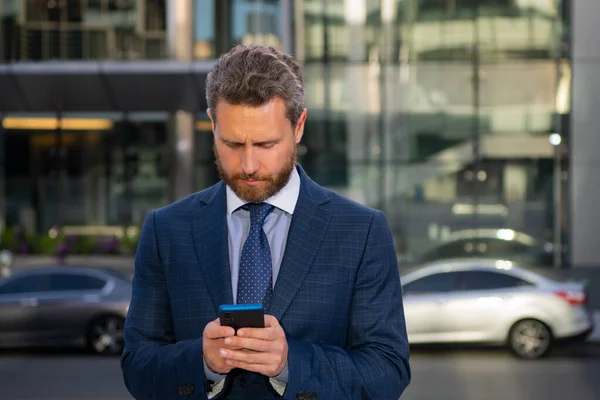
299,131
213,122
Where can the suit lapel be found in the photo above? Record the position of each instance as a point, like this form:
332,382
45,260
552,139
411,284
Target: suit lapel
212,249
307,230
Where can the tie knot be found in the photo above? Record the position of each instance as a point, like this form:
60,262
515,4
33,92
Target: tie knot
258,212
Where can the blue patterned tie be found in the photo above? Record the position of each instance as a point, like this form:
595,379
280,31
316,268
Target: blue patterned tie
255,281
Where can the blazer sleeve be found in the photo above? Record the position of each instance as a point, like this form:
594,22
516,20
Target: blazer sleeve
153,365
375,361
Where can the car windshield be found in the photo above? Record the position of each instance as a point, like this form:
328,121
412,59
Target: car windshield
117,274
553,274
407,270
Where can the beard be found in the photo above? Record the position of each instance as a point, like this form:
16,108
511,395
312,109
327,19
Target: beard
269,186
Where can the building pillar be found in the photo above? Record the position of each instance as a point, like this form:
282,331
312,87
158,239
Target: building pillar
2,39
223,41
180,128
182,166
362,99
585,140
388,126
298,36
206,172
2,175
287,27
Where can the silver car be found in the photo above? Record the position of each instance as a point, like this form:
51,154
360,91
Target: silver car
493,301
52,305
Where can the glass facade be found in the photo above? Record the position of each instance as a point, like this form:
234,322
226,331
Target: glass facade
37,30
204,29
438,112
219,25
256,22
79,176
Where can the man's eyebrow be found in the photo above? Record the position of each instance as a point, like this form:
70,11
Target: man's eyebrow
266,142
261,143
229,141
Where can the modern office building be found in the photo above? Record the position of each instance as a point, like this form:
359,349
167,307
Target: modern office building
449,115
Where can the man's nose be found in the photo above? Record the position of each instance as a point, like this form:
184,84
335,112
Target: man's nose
249,164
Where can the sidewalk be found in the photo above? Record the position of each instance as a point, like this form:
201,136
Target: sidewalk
124,263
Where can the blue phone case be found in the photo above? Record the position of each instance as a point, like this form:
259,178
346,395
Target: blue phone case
240,307
242,315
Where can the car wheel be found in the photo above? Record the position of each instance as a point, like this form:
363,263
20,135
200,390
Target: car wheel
105,335
530,339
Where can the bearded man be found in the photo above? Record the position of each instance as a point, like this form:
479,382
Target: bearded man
323,267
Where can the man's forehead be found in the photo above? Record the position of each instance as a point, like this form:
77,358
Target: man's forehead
249,134
274,107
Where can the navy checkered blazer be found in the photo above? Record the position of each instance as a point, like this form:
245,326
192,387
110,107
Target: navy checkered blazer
338,298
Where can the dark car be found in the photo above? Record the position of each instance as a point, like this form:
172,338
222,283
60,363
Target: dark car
505,244
64,306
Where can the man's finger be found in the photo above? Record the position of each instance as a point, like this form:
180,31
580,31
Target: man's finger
247,356
269,332
248,343
216,331
258,333
231,347
271,321
262,369
270,367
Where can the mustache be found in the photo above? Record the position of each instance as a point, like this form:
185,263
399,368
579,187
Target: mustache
255,177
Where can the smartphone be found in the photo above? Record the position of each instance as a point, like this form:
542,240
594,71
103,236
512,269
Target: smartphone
242,316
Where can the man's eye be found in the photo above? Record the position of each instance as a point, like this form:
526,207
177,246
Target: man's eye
267,145
234,145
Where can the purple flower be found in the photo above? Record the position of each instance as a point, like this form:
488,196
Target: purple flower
24,248
63,249
110,245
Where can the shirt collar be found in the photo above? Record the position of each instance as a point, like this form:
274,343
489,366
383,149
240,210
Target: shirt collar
285,199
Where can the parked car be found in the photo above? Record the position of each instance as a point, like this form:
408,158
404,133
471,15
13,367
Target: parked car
56,306
494,301
505,244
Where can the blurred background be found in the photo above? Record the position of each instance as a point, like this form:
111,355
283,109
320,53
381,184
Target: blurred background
471,123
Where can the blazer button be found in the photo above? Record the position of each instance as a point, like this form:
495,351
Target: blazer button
186,390
302,395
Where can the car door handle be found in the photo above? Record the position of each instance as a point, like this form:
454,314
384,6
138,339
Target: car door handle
29,302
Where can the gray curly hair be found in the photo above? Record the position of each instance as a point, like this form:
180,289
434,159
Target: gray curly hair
253,75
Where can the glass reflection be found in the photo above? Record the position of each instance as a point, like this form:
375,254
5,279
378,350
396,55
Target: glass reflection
434,104
204,29
256,21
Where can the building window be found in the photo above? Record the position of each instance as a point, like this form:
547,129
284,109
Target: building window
256,21
204,29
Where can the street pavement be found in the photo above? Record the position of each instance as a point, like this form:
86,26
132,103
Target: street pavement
438,374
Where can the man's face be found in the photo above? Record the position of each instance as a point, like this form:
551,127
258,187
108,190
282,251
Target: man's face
255,148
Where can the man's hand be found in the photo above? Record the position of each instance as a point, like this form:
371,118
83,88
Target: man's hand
263,350
212,343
